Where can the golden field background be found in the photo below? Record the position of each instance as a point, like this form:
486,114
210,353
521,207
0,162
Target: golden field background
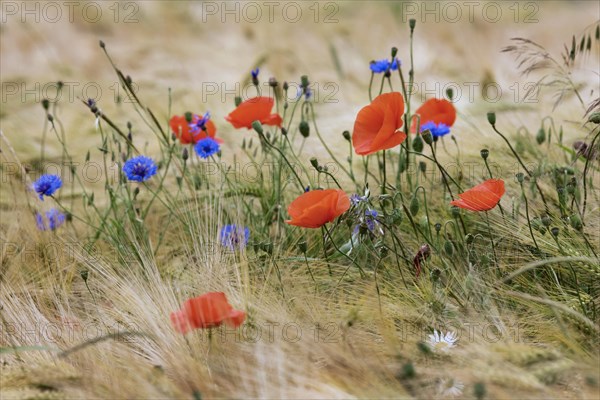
175,45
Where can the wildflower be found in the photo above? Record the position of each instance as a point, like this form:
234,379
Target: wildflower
192,132
437,130
436,111
384,65
52,220
377,125
482,197
254,109
46,185
450,388
139,169
207,147
422,255
318,207
368,223
207,311
254,74
356,199
441,342
234,237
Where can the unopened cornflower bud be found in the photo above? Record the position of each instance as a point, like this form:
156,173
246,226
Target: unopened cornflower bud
412,23
185,154
520,177
394,52
427,137
273,82
484,153
491,116
302,246
285,86
304,82
314,163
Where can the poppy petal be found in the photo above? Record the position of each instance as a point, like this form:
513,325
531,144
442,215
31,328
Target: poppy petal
482,197
436,111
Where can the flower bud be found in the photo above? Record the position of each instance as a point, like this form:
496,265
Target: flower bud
575,221
554,231
314,163
188,116
414,205
479,390
285,86
438,227
546,221
185,155
238,100
455,211
304,82
422,166
302,246
304,128
520,177
394,52
284,131
427,137
541,136
448,248
484,154
595,118
257,126
273,82
417,143
45,103
412,23
450,93
84,274
469,238
491,116
50,118
102,45
346,135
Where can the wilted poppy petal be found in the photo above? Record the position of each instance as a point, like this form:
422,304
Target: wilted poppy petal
482,197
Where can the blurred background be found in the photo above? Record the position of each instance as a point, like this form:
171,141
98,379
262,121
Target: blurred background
204,51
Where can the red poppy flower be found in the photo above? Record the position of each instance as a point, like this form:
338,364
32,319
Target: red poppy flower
482,197
206,311
376,126
181,128
436,111
315,208
254,109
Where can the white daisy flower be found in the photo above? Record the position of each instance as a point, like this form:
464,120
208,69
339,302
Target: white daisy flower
442,342
450,388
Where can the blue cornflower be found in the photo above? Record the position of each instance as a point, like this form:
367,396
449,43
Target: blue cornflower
46,185
139,169
199,123
437,130
254,73
53,220
384,65
368,221
234,237
355,199
207,147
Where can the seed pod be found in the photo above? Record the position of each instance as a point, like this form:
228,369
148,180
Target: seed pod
541,136
417,144
448,248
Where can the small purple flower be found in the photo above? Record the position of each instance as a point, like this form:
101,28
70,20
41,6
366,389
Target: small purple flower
369,221
199,123
384,65
46,185
139,169
234,237
207,147
437,130
355,199
52,220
